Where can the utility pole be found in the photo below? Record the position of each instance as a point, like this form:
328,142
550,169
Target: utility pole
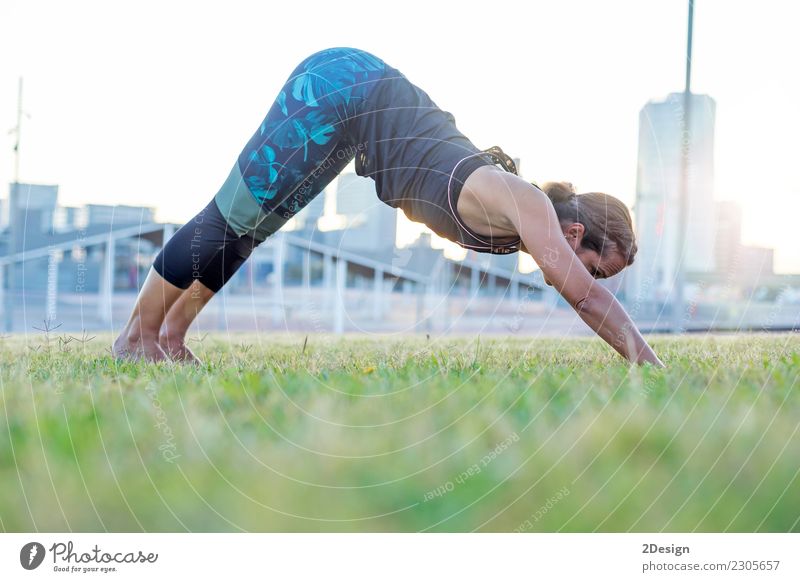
13,196
17,132
683,186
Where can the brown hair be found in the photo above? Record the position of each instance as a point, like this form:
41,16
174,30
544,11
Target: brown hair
606,219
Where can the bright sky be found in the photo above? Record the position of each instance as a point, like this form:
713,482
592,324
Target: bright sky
150,102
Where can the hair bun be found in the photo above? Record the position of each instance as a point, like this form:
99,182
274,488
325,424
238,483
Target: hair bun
559,191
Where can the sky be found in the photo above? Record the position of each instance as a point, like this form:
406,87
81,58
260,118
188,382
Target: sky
149,103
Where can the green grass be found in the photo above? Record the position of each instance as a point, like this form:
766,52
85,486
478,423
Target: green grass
365,434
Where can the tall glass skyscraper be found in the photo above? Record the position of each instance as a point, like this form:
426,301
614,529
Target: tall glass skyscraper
656,210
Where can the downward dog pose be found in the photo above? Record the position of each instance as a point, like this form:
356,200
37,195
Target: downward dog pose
345,103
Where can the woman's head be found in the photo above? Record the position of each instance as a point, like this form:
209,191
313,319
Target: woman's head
597,226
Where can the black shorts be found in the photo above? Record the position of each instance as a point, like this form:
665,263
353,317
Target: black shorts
206,250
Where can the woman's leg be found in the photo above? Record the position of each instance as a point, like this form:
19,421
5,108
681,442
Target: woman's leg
301,145
216,273
172,337
139,338
193,254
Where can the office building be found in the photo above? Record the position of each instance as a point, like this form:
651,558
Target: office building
661,149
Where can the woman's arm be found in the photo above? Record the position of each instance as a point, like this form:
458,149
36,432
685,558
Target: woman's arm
532,215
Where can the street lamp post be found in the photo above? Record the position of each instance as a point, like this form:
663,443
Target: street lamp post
683,186
13,200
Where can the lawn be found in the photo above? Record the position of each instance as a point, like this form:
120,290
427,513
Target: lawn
277,433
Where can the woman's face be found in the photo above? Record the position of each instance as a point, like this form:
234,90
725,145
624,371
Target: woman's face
600,267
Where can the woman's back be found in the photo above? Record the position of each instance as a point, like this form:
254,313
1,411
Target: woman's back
410,147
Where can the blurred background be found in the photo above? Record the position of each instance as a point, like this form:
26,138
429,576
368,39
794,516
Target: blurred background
121,120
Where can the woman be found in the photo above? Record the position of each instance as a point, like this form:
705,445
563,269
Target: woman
344,103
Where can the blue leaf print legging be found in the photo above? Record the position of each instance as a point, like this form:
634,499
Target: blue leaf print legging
300,147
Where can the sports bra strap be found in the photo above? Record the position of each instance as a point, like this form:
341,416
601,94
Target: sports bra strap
498,156
502,158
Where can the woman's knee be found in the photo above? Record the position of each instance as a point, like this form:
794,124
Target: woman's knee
193,249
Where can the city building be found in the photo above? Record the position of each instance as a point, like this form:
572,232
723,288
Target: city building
369,226
37,222
656,210
756,264
306,221
728,235
737,263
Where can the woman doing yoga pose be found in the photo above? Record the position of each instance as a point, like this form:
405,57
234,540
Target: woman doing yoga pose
341,104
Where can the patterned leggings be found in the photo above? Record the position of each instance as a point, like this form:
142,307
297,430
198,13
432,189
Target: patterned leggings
303,143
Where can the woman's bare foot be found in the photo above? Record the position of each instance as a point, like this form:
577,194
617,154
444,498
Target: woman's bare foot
129,348
138,340
175,347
